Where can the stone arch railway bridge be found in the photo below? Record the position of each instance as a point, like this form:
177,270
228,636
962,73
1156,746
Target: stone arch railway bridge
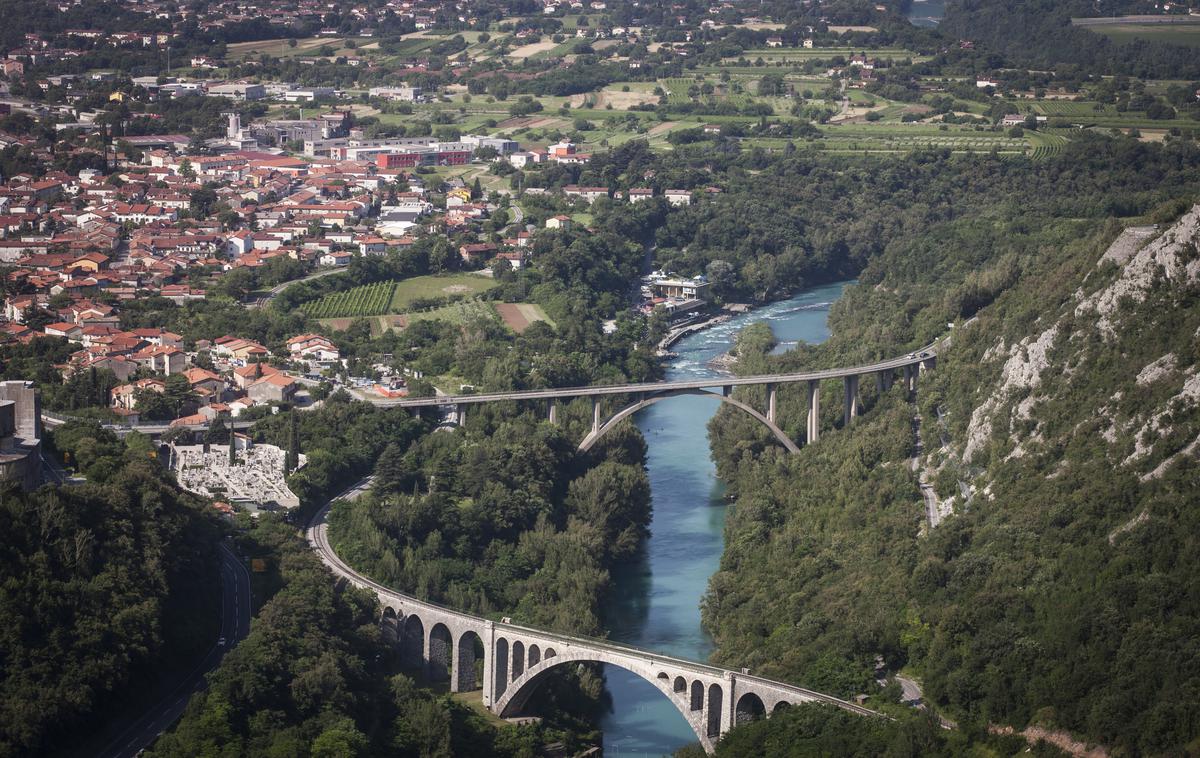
515,658
639,396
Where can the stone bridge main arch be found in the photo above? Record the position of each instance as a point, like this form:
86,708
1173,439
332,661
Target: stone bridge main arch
706,714
599,429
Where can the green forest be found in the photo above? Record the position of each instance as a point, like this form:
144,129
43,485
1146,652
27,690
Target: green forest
315,677
107,587
1044,600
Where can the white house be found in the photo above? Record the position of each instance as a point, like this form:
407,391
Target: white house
339,258
678,197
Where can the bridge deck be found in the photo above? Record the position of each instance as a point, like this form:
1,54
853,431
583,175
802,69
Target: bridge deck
910,359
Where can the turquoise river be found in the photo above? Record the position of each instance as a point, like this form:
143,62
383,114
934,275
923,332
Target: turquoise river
656,600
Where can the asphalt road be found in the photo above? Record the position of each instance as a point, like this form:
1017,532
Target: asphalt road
140,732
52,473
271,293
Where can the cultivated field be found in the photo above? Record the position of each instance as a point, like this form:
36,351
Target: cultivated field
381,298
305,46
528,51
518,316
367,300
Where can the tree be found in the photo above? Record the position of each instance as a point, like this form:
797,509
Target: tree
186,170
292,461
202,201
391,472
178,393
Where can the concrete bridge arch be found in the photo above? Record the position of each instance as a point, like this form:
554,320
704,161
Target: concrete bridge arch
768,420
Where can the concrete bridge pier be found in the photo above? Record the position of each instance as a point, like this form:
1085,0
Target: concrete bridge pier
771,403
929,363
460,412
910,379
596,415
552,412
850,407
883,380
814,410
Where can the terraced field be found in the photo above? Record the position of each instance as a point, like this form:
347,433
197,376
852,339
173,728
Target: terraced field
367,300
1045,145
1071,108
677,89
895,138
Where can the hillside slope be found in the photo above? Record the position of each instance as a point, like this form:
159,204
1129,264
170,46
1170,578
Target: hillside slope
1063,426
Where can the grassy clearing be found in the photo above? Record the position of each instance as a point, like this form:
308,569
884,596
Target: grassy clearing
1175,34
425,287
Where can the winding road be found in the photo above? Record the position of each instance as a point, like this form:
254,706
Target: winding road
270,294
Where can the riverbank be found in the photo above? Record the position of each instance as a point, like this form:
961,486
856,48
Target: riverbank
679,332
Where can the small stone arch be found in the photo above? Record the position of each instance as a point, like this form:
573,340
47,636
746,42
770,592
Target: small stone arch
697,695
441,644
780,707
664,676
680,685
714,710
469,650
749,708
594,436
500,672
389,624
412,645
518,659
550,652
535,655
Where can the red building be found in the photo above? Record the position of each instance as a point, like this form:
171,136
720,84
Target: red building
413,158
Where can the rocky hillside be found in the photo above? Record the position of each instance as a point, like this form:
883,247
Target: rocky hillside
1061,431
1071,410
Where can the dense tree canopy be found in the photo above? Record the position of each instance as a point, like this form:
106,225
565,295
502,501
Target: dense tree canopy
105,585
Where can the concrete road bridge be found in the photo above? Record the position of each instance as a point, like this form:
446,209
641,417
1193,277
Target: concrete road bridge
634,397
515,659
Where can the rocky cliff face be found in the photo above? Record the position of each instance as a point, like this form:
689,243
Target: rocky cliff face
1140,293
